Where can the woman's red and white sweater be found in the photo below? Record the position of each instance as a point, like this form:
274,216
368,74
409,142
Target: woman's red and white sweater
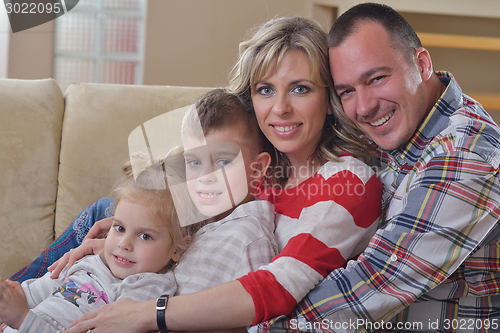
320,224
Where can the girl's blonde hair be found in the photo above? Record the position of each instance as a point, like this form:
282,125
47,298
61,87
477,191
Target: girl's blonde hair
149,187
272,41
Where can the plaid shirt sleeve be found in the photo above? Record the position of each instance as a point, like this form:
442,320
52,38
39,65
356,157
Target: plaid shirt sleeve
443,205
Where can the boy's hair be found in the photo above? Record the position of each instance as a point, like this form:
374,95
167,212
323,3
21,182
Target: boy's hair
150,188
401,33
220,109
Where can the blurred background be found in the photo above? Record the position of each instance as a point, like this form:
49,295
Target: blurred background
195,42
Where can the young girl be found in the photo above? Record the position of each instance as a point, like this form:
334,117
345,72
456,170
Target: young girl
142,245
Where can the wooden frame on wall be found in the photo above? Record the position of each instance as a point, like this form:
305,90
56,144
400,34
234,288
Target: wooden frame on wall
490,101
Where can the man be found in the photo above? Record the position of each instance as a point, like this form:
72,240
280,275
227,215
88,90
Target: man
434,261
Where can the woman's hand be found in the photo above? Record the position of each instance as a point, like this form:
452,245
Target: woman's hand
13,304
88,247
124,315
99,229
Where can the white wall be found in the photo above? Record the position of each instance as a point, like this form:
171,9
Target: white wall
4,42
478,8
195,42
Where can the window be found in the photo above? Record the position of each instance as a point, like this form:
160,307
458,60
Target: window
100,41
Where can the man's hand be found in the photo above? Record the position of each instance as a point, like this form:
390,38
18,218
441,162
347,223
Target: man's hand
13,303
88,247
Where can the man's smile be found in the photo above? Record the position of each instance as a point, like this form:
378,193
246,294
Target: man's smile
382,120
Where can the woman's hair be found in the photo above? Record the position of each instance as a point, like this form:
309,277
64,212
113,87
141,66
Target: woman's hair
272,41
144,181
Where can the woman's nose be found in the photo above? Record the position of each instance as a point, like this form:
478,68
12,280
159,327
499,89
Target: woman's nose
281,105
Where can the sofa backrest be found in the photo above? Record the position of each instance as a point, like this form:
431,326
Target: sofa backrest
98,119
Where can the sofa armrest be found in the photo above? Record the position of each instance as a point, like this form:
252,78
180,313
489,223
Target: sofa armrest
31,113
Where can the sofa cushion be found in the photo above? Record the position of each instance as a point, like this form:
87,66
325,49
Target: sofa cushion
31,113
97,122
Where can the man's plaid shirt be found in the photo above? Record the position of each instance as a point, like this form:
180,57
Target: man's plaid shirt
435,260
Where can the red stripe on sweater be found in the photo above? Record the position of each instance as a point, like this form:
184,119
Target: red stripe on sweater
362,201
313,253
269,297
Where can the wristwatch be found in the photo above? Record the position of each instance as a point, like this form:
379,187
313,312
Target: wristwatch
161,306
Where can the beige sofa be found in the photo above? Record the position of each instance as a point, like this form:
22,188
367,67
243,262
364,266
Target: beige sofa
58,154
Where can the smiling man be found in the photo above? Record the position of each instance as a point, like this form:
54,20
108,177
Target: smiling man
433,265
386,92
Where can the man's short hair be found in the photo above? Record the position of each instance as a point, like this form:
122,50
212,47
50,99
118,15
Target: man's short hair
401,34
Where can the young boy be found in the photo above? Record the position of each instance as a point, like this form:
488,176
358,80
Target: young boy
144,241
225,159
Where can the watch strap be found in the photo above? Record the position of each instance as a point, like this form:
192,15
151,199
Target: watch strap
161,307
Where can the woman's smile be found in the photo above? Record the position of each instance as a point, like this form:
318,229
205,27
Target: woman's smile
286,129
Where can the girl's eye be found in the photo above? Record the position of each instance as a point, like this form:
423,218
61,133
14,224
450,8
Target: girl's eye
145,237
300,89
119,228
265,90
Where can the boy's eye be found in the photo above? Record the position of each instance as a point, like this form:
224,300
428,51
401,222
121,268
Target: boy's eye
222,163
193,163
145,237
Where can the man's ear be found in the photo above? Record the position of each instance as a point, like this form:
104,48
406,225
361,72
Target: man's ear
424,62
259,165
